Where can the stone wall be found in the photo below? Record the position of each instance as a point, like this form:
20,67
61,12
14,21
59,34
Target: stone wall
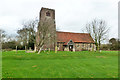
77,47
44,11
84,46
60,46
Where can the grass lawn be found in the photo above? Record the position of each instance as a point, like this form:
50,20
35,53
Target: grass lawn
63,64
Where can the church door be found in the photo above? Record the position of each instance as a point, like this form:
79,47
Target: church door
70,47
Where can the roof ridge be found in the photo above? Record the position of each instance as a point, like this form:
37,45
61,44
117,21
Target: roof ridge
72,32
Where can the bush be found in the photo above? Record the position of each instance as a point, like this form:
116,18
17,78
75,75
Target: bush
84,49
105,47
7,50
9,45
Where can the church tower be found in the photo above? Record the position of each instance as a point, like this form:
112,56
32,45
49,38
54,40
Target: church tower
47,16
47,13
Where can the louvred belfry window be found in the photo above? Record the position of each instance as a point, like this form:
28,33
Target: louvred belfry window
47,13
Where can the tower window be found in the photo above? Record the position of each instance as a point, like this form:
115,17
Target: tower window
47,13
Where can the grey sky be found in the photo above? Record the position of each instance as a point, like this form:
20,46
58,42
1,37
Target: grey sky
71,15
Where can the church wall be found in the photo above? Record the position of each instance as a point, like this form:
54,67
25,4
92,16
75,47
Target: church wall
66,48
84,46
77,46
60,46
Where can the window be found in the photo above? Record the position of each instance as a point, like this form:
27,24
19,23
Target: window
57,45
47,13
90,45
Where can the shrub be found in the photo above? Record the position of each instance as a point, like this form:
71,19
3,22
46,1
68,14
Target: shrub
84,49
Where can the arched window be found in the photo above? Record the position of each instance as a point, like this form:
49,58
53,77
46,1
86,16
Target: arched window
47,13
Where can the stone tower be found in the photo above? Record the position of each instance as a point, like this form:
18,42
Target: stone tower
47,13
47,16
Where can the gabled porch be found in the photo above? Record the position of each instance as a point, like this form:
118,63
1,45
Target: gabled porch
69,46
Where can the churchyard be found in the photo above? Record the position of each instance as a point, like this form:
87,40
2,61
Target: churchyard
63,64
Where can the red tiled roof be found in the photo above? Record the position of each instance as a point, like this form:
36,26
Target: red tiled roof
75,37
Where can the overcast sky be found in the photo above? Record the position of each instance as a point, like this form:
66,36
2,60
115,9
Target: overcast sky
71,15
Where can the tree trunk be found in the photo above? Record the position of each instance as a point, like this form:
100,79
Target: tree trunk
25,49
99,44
40,50
49,49
16,49
44,50
56,49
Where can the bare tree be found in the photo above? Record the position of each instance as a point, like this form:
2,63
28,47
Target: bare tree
2,36
98,30
23,35
28,32
45,34
1,40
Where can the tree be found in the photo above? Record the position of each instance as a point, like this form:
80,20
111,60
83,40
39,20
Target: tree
118,44
2,36
23,36
114,44
45,34
9,45
98,30
32,25
28,32
113,41
105,47
8,41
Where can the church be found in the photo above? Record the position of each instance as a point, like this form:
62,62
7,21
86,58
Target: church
67,41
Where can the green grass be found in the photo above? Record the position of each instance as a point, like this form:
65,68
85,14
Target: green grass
63,64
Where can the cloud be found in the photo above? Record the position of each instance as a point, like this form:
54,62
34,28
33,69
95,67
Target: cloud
71,15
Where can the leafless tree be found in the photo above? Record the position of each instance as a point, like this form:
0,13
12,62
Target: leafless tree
98,30
2,36
23,35
28,32
45,34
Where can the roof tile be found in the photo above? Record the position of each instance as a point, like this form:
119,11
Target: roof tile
75,37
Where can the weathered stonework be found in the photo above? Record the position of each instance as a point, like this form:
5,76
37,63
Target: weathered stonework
46,16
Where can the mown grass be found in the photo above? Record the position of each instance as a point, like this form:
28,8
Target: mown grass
63,64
